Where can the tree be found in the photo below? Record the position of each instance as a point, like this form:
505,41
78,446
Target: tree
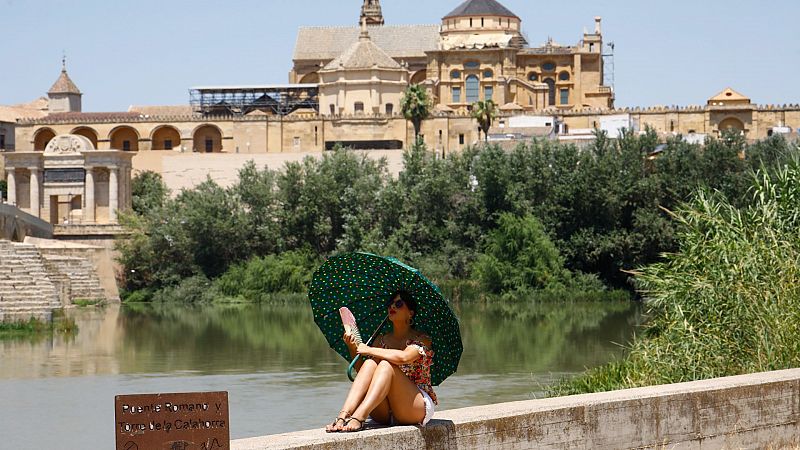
484,112
416,107
148,191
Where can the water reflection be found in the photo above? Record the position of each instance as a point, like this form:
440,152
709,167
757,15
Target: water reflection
228,339
274,362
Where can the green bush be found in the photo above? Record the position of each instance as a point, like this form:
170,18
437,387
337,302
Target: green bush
289,272
520,259
602,207
196,289
728,302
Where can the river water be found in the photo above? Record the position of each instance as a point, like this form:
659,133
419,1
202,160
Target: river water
58,392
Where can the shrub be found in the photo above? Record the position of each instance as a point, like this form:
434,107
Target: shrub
728,302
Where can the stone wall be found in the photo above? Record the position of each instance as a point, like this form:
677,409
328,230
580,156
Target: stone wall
99,261
745,412
76,276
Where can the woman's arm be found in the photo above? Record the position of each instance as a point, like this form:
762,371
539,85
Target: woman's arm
396,357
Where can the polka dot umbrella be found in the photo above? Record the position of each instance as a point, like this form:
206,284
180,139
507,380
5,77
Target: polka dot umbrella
363,283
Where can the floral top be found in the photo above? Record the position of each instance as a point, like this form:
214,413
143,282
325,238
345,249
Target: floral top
419,371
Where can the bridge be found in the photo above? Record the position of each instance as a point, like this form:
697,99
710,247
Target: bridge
16,224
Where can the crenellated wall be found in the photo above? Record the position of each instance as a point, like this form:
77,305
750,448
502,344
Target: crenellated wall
443,131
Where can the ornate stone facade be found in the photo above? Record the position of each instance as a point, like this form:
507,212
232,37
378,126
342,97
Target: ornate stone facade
70,183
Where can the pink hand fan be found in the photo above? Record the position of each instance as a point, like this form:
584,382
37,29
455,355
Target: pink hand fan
349,322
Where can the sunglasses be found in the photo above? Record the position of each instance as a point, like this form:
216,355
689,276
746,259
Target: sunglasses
397,304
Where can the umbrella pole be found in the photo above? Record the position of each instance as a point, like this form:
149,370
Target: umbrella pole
352,366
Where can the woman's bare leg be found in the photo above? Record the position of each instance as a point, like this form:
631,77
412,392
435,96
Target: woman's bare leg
389,383
357,391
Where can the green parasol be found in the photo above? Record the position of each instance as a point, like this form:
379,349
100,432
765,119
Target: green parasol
363,283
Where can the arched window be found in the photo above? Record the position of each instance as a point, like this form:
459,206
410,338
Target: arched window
533,76
124,138
472,65
487,73
456,74
42,138
563,76
473,89
551,91
166,138
549,67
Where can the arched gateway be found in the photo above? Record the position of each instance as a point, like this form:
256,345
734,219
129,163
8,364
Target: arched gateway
71,183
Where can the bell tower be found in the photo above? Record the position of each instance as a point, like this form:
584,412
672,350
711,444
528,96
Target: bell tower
371,11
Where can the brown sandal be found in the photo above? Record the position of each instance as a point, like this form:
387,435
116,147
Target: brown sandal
360,425
332,427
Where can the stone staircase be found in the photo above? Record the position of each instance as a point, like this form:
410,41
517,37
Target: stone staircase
77,277
25,288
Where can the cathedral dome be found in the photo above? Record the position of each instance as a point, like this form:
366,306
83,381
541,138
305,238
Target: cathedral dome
481,8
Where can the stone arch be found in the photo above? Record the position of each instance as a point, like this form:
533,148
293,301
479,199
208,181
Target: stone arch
124,138
42,137
88,133
310,78
731,123
207,139
419,76
166,137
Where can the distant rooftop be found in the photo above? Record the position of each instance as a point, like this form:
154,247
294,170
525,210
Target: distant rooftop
324,44
481,8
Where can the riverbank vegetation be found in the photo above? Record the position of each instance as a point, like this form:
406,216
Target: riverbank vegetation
35,328
728,301
585,215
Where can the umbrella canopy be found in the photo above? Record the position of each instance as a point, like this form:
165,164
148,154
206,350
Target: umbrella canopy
363,282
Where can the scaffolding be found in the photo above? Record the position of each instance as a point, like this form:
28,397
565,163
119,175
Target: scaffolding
242,100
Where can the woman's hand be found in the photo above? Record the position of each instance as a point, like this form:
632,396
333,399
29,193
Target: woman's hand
363,349
350,341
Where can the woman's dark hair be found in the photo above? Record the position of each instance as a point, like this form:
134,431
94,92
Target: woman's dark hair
406,297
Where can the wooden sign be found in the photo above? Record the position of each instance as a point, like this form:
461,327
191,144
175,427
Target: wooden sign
196,421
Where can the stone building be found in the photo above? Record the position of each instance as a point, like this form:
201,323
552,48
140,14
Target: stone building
477,52
363,79
70,183
346,83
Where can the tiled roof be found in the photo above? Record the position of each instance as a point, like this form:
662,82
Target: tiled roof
162,110
481,8
33,110
363,54
398,41
64,85
92,116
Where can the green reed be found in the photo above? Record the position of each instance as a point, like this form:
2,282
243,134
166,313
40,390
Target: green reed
727,303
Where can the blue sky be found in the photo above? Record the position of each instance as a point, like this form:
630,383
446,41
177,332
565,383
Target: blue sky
122,52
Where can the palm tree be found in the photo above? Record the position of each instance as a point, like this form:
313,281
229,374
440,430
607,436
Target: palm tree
484,112
416,107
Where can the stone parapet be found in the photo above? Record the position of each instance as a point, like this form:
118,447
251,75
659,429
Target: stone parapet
743,412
